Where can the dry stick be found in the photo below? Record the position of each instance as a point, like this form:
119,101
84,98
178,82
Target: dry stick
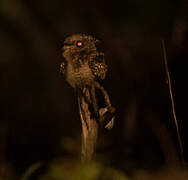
106,97
172,101
89,127
107,119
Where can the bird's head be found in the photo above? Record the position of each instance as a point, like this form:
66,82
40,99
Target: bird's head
81,47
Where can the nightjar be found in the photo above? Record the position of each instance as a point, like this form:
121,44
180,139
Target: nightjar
84,67
84,61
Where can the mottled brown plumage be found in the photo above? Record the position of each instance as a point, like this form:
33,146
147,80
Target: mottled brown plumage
84,66
83,62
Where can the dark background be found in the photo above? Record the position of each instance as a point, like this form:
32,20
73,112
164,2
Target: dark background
39,118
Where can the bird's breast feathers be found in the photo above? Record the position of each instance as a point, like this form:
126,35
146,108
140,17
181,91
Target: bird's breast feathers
79,77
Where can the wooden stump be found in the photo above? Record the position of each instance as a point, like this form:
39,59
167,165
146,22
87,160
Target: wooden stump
89,128
91,125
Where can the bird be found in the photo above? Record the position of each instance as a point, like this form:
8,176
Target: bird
84,66
84,60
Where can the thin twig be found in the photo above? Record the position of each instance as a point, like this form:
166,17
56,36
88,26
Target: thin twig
172,101
105,94
107,118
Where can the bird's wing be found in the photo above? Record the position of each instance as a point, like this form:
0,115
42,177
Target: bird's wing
98,67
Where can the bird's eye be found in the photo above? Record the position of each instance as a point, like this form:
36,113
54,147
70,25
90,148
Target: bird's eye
79,43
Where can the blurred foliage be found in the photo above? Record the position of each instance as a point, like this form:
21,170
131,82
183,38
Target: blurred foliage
74,170
91,171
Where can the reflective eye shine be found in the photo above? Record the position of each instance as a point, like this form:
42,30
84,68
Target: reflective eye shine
79,43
